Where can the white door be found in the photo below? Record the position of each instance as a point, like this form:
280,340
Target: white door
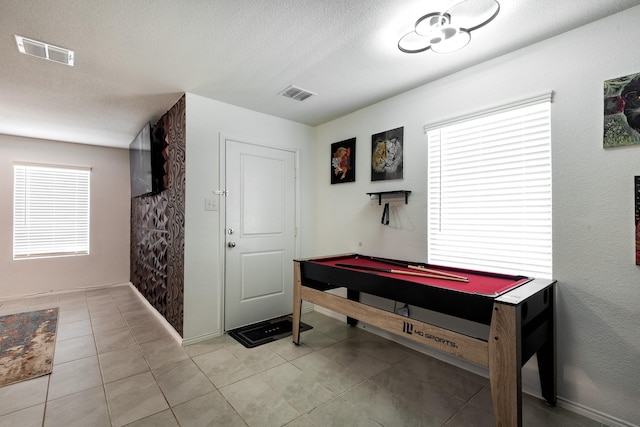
260,233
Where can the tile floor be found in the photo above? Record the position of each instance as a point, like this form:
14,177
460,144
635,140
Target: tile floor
116,365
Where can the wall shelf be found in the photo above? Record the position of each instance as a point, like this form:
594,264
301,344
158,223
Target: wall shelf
394,193
389,194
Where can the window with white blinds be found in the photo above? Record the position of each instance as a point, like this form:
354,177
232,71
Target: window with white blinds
489,190
50,211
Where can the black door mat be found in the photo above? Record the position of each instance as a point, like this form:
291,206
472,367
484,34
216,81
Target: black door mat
266,331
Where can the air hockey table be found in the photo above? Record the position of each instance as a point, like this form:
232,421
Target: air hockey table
519,311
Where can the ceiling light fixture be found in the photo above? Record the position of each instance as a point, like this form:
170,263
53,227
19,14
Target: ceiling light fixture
446,32
44,50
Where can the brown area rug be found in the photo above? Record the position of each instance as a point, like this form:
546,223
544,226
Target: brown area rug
27,341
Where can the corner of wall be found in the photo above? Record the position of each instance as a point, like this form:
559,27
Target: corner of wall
157,228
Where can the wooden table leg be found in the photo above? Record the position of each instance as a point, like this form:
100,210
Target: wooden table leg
505,362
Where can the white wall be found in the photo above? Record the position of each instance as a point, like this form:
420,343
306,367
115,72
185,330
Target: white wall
208,123
108,262
593,213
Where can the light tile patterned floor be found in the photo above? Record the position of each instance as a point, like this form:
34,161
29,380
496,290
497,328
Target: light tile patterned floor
116,365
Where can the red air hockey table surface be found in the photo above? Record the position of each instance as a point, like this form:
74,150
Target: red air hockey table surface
519,311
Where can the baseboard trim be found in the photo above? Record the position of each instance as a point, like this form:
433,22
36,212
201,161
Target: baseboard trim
61,291
201,338
174,334
592,414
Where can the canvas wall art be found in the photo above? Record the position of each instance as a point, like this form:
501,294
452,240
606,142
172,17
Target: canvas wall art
637,200
621,106
386,155
343,161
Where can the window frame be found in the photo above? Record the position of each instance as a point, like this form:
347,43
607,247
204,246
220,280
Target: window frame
51,210
446,248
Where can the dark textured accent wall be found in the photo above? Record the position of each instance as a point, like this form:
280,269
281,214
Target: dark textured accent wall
157,227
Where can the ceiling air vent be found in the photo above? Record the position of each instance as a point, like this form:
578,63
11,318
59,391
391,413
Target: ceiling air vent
44,50
296,93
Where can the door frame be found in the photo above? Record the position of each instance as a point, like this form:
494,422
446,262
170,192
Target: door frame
222,157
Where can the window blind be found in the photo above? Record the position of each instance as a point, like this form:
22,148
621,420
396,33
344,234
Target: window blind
489,191
50,211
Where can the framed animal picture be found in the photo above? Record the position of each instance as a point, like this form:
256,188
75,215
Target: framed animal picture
343,161
386,155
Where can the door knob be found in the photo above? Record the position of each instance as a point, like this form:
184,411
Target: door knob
231,244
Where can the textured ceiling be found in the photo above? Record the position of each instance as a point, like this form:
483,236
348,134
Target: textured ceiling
134,59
